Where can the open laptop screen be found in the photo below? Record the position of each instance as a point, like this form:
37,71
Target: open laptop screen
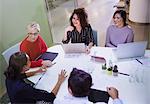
131,50
74,48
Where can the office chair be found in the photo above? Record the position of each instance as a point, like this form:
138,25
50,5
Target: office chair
7,53
95,36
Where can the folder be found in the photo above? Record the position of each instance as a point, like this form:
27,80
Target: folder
48,56
98,96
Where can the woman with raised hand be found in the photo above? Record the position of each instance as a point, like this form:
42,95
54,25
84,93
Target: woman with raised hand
20,92
79,87
80,30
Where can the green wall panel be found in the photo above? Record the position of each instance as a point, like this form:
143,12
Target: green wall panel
14,17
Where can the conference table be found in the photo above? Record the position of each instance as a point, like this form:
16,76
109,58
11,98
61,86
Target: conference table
133,89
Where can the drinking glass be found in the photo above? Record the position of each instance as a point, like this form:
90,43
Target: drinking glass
136,74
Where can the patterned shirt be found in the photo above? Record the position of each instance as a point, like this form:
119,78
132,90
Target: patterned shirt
85,36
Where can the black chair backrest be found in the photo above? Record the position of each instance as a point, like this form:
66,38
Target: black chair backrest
95,37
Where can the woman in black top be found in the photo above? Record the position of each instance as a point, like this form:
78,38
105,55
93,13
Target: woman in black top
20,92
79,30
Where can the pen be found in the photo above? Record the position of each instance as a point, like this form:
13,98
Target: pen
139,61
39,79
124,74
42,76
38,57
54,63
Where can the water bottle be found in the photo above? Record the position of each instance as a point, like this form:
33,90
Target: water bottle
110,68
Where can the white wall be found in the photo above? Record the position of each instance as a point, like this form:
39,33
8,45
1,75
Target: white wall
14,17
139,11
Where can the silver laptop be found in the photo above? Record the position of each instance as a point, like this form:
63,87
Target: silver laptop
131,50
74,48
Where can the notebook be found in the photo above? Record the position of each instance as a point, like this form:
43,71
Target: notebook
74,48
98,96
131,50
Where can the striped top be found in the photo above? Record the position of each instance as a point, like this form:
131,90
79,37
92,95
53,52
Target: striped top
86,36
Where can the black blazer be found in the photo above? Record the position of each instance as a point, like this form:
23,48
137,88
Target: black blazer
21,92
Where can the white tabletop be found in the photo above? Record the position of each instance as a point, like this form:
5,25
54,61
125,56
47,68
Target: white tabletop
130,91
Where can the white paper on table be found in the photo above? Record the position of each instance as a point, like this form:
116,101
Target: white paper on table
145,62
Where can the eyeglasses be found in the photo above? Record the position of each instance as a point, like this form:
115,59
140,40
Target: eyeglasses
33,34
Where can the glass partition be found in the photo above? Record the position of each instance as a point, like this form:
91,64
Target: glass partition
59,12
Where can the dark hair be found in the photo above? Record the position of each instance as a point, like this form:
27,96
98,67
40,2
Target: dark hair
122,14
82,15
16,64
79,82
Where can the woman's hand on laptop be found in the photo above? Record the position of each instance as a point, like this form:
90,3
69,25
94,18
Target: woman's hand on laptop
46,63
89,47
87,50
